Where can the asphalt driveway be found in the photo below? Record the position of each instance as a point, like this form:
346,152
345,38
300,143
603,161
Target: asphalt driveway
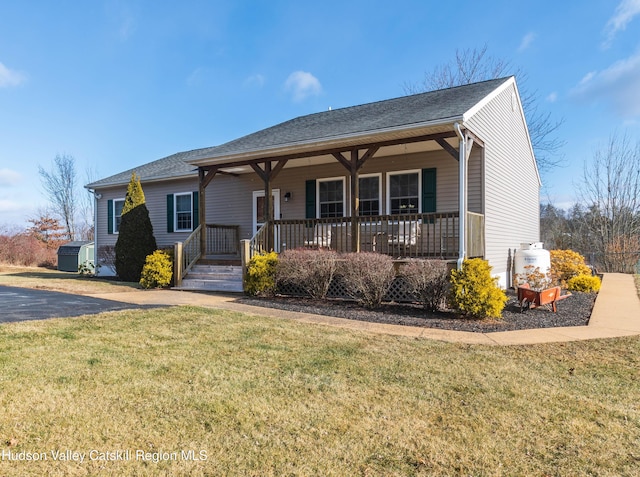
22,304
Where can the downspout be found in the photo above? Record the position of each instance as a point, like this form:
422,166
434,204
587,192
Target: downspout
462,196
96,197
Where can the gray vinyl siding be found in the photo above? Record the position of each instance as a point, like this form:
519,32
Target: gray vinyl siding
512,192
156,199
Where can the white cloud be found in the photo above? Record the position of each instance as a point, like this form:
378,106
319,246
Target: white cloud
552,97
255,81
9,177
9,77
526,41
9,206
625,12
302,85
616,86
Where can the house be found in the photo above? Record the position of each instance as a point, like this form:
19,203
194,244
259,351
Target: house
392,176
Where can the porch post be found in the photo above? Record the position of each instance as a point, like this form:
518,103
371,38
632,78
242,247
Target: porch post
268,206
202,212
355,202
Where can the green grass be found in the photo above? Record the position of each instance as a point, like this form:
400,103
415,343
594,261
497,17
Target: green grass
263,396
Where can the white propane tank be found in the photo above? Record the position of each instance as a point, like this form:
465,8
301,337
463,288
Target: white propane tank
531,254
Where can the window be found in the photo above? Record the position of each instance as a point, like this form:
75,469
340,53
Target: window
331,198
184,212
404,192
115,215
369,187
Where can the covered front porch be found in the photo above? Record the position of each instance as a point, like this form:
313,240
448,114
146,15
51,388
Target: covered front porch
404,221
402,236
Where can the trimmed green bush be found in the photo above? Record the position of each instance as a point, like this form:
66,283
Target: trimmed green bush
157,270
260,278
367,277
474,292
135,235
584,283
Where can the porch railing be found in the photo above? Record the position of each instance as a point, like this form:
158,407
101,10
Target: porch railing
433,235
219,240
223,239
186,254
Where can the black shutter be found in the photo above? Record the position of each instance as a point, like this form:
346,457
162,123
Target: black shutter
428,190
110,217
196,210
310,199
170,213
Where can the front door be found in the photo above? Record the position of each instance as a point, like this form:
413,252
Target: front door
258,212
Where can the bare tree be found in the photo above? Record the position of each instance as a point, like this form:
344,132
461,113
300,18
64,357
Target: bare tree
87,207
610,191
60,187
474,65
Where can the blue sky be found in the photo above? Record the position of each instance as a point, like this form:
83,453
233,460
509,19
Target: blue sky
119,83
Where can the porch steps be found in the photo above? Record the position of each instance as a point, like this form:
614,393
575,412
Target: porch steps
219,278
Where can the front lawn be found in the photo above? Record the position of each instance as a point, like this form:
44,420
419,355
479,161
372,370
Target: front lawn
261,396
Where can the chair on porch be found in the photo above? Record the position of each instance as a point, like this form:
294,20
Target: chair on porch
404,235
321,237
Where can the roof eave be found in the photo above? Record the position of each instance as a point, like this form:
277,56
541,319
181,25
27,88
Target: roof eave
96,186
346,140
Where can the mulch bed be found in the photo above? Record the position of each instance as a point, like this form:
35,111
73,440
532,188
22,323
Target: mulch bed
572,311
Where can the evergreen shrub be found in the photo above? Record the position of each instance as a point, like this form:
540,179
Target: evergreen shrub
584,283
157,271
474,292
260,278
135,235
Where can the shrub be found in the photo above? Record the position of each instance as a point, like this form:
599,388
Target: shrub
474,292
313,270
584,283
566,264
157,270
135,235
25,250
260,278
428,280
367,277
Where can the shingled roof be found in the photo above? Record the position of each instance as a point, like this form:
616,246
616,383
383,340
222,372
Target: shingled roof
437,107
171,167
445,105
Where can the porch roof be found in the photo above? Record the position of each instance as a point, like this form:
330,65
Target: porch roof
426,113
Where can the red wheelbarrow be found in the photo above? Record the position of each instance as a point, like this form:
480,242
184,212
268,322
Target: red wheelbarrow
529,298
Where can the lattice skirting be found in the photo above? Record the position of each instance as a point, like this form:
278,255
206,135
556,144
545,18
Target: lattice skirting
398,291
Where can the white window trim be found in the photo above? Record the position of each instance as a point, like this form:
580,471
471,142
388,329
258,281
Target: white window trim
398,173
175,211
116,230
344,193
379,176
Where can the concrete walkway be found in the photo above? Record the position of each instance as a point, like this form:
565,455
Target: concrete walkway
616,313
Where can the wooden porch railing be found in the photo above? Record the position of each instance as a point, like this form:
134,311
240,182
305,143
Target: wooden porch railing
220,240
223,239
433,235
186,254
